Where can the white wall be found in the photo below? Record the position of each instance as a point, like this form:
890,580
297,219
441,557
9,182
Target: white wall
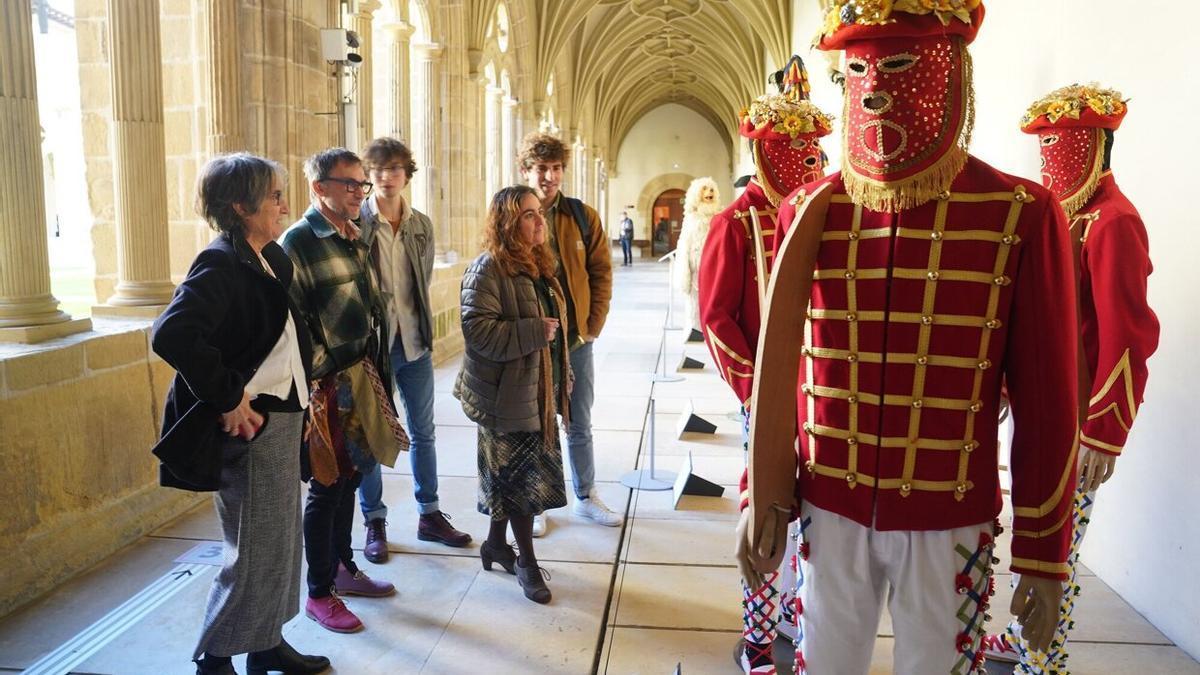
669,139
1144,539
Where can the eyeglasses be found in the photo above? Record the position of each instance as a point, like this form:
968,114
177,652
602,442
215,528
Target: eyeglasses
352,185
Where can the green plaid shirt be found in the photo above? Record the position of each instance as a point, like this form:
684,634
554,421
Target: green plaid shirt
336,291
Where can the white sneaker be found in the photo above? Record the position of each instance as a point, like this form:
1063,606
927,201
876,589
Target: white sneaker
540,525
595,510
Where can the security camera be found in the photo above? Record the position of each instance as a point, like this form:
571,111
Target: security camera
352,39
353,59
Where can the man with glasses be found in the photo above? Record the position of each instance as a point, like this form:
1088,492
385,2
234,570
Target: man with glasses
400,239
339,296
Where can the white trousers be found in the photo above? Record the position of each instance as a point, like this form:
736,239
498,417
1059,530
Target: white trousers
936,584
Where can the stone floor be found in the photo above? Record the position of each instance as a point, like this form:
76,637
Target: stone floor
657,592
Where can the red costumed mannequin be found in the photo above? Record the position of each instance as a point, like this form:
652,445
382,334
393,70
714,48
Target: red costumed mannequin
1118,330
936,277
783,130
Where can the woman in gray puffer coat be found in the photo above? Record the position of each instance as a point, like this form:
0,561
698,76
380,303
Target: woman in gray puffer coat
515,379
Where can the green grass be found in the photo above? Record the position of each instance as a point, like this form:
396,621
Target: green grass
74,289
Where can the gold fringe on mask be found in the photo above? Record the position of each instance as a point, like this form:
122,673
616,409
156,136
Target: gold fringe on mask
759,162
1085,193
909,193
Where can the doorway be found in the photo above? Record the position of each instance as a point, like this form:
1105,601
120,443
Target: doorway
666,218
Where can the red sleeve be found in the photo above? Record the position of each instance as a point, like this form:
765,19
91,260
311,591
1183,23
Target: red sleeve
1041,372
1116,261
721,282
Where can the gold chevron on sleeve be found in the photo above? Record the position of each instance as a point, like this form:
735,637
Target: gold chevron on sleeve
1115,410
1100,445
1048,505
1124,371
725,348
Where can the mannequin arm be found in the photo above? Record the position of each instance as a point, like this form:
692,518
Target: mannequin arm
1035,604
1095,468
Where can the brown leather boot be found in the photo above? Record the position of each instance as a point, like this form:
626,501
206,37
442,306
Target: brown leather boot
376,549
436,527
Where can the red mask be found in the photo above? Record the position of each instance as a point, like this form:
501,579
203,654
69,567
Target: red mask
1072,161
785,165
908,119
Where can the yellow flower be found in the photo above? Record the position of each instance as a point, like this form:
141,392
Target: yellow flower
793,125
1055,110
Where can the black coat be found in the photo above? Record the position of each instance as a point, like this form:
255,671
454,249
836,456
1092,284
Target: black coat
224,320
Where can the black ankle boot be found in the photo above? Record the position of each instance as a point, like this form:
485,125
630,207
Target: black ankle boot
284,658
532,583
214,665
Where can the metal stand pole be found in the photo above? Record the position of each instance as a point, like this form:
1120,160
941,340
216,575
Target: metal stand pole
641,479
670,258
664,377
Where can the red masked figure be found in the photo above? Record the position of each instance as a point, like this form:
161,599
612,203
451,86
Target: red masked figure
783,130
1075,126
936,279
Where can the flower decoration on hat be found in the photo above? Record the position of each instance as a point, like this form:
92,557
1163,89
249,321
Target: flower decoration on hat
1077,105
776,117
853,19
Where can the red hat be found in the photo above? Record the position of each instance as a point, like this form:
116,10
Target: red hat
852,20
788,115
1077,106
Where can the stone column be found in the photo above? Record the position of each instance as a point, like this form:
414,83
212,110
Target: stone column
508,142
398,105
225,102
360,23
494,104
139,162
28,312
425,133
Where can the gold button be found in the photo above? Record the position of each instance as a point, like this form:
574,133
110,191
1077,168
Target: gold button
849,274
994,324
852,400
976,406
1002,281
851,478
852,441
808,428
1009,239
985,364
933,276
807,390
961,488
917,403
851,316
810,465
927,320
970,447
1019,193
944,195
852,357
805,351
905,489
852,236
922,360
936,236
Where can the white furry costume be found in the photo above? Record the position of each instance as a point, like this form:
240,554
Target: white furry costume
699,206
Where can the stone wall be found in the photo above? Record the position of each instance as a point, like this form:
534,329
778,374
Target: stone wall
79,416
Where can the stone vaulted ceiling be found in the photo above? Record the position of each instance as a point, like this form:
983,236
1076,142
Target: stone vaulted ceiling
615,60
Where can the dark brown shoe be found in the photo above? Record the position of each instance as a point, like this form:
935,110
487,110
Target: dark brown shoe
376,550
436,527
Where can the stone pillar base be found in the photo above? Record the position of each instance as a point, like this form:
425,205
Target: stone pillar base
107,311
41,333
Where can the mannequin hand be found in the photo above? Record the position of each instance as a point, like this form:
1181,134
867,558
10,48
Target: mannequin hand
755,561
1095,468
242,421
1035,604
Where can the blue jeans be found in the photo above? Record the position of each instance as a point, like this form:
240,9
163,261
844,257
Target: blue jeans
579,431
414,380
627,251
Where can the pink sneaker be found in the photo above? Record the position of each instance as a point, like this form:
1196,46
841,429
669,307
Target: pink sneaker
998,648
332,614
361,584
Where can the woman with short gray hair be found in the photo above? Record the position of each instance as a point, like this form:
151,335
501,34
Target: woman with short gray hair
235,412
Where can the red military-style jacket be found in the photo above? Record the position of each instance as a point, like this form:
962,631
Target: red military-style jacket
1118,329
728,287
916,318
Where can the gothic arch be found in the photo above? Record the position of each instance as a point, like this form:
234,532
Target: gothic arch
655,187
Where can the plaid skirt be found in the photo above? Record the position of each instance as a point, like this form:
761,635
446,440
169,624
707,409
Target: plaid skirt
519,473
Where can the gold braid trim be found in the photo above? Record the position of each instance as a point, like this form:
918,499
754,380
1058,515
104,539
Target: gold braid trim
1091,183
908,193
